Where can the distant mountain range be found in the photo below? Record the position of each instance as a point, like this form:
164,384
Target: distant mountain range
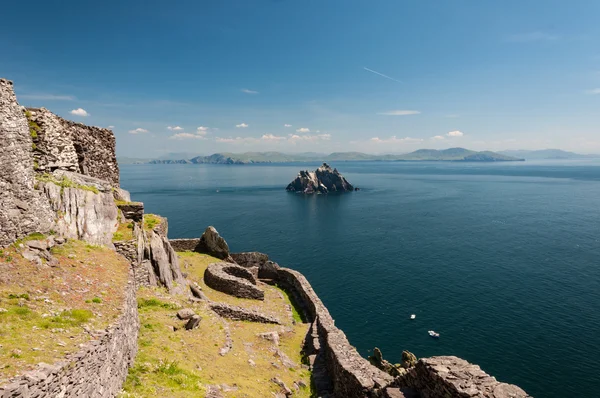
451,154
547,154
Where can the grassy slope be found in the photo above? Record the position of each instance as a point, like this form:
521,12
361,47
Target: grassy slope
47,307
182,363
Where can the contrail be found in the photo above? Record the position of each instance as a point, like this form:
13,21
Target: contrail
381,74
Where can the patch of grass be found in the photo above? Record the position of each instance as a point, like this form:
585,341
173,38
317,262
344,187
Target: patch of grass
65,182
18,296
151,221
124,202
153,302
124,232
96,300
34,128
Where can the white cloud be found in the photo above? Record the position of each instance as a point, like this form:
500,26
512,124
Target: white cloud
185,136
176,128
79,112
111,127
241,125
202,130
245,90
455,133
303,130
287,125
438,137
138,131
400,112
594,91
293,138
48,97
395,140
271,137
236,140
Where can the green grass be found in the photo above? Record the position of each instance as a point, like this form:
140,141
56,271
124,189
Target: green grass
151,221
152,302
96,300
124,202
123,232
34,129
297,315
18,296
65,182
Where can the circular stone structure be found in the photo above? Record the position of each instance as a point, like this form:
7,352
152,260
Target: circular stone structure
232,279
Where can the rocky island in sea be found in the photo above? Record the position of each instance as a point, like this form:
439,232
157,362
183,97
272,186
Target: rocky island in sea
322,180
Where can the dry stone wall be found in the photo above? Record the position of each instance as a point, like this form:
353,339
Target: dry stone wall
232,279
22,209
184,245
351,375
97,370
66,145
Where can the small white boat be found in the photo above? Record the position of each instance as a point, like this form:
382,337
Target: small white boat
413,316
434,334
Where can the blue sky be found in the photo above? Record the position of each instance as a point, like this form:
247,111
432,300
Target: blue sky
384,76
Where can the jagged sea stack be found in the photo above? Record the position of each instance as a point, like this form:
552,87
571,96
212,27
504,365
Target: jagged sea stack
322,180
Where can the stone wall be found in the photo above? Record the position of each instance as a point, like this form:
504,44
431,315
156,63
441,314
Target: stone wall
350,374
22,209
98,369
233,280
184,245
66,145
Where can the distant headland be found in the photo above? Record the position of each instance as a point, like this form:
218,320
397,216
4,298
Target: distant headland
447,155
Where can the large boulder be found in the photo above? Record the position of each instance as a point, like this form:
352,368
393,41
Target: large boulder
213,244
323,180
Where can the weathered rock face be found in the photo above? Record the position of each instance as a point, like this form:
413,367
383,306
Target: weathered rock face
88,214
377,360
22,208
323,180
66,145
213,244
132,210
158,253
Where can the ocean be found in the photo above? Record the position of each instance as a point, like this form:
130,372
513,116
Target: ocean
502,259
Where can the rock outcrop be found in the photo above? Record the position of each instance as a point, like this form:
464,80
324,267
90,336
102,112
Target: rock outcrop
84,206
23,210
454,377
213,244
323,180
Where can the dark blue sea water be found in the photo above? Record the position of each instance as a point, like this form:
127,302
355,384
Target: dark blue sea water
502,259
